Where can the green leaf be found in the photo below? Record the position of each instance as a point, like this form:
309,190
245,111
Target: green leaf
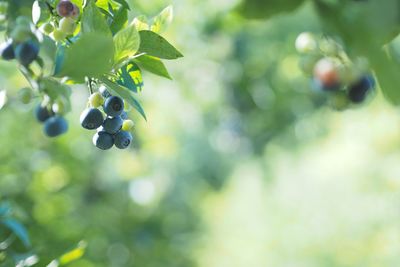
93,21
40,12
155,45
126,43
141,23
90,56
130,77
125,94
54,88
123,3
119,21
153,65
162,20
48,52
18,229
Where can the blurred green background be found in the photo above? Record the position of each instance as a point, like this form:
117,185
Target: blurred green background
239,164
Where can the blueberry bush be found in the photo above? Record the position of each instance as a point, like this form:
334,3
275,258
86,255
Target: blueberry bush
243,148
66,42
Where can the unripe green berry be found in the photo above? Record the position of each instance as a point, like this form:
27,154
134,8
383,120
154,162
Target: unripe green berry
58,35
127,125
96,100
306,42
25,95
67,25
47,28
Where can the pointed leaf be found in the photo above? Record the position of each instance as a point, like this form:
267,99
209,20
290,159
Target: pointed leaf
141,23
94,21
162,20
90,56
155,45
126,43
153,65
130,77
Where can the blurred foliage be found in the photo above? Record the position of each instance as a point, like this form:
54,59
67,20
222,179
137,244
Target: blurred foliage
239,164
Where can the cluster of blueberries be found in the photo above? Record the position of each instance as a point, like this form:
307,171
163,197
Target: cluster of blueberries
327,78
22,44
54,124
345,82
113,128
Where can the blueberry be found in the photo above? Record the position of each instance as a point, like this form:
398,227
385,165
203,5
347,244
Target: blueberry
359,90
27,52
91,118
112,125
65,8
55,126
103,140
123,139
114,106
43,113
7,51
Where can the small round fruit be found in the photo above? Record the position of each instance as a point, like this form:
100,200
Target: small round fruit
123,139
25,95
96,100
42,113
55,126
47,28
104,92
103,140
112,125
91,118
359,90
67,25
114,106
65,8
27,52
327,72
306,42
127,125
7,50
58,35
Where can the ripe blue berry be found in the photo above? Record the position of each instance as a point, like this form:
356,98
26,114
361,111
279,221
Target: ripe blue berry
7,51
27,52
91,118
55,126
103,140
359,90
43,113
112,125
65,8
123,139
114,106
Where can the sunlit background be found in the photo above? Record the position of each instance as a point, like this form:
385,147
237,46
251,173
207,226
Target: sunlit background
238,165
